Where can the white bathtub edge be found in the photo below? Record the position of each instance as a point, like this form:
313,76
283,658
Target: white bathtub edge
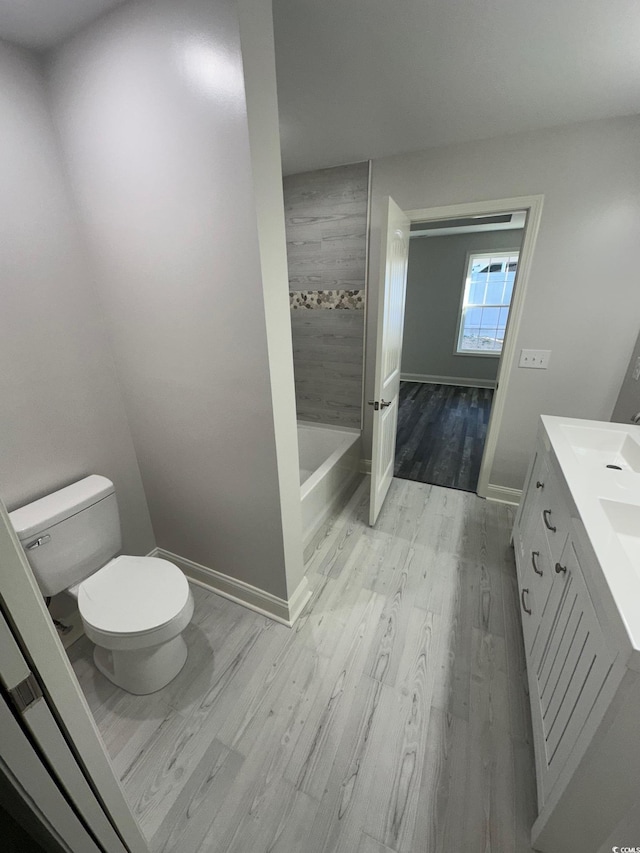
328,487
331,427
282,610
312,481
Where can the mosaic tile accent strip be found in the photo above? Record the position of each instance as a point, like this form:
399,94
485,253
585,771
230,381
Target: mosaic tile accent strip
342,299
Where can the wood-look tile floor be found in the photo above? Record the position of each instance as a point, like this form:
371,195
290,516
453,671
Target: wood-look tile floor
441,434
392,717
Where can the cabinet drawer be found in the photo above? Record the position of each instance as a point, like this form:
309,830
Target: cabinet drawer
528,613
554,515
531,501
534,582
540,567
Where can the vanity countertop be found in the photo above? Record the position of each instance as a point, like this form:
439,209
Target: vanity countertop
600,462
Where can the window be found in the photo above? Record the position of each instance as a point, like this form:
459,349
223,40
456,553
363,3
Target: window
487,294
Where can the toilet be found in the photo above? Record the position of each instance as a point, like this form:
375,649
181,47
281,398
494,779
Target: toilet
133,608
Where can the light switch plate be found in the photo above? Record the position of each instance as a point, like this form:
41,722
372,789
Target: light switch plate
636,369
535,358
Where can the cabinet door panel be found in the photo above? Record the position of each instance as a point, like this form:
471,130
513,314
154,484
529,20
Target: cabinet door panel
570,654
558,656
574,671
551,626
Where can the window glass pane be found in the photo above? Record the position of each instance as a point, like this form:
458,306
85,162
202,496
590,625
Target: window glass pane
487,337
473,317
490,283
494,290
470,338
490,317
476,292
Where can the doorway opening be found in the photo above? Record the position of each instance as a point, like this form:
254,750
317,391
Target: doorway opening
476,333
460,283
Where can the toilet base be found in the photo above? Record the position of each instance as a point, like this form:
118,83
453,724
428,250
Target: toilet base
142,671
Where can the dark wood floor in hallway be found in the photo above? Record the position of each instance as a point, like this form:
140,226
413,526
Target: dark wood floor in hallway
441,434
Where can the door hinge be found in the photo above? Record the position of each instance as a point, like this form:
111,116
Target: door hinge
23,695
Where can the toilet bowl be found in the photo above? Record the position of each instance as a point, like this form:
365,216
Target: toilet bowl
133,608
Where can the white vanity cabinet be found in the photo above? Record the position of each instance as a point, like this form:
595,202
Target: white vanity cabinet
581,662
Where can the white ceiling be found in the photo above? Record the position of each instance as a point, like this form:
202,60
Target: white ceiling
40,24
369,78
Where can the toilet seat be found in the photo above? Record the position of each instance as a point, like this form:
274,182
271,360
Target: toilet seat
134,603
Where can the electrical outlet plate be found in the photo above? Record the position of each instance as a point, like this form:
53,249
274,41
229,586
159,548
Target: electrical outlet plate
537,359
636,369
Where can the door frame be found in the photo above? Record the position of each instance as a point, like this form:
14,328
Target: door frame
101,799
532,204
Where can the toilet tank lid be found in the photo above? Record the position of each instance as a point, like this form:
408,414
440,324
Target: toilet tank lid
35,517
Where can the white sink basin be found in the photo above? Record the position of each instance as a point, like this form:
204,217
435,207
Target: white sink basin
625,521
604,448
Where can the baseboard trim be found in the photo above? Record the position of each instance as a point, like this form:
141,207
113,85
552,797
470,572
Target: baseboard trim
464,381
298,601
503,495
259,600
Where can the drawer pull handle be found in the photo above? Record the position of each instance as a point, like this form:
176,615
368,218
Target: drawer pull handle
539,485
524,606
535,554
560,569
545,514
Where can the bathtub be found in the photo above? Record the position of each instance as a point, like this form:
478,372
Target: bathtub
329,470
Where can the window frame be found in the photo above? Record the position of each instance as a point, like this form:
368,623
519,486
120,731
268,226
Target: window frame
503,253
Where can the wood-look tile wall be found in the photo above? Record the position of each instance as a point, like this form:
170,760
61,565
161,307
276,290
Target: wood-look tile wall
326,219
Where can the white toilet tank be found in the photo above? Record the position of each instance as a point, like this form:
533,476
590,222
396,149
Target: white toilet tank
69,534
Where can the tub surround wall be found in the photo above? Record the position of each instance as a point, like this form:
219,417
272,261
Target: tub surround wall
62,414
329,299
326,216
151,103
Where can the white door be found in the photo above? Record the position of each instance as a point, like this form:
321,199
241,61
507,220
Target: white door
393,287
20,763
36,673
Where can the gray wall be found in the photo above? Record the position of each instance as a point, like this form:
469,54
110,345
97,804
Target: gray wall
326,221
583,300
151,106
628,402
435,278
61,410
